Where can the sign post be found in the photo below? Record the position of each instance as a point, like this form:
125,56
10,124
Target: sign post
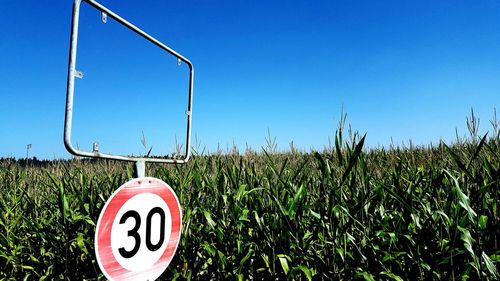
140,225
74,73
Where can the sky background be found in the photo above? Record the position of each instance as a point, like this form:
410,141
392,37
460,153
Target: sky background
401,70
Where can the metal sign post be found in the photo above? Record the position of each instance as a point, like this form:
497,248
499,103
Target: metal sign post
74,73
139,227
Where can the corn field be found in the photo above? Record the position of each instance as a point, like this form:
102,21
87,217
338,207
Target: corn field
345,213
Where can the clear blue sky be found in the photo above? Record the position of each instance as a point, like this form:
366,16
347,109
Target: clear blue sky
401,69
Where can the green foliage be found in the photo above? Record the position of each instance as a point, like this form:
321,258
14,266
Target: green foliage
341,214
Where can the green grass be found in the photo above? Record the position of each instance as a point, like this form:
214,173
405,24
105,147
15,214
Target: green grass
342,214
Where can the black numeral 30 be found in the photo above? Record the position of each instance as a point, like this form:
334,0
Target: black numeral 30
134,231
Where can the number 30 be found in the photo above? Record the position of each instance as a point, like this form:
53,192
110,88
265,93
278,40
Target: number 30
133,232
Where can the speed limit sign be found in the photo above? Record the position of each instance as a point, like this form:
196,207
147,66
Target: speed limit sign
138,230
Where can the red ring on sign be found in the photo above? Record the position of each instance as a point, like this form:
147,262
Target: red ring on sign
106,258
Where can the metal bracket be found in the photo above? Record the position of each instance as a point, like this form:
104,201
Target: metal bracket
72,73
104,17
78,74
95,147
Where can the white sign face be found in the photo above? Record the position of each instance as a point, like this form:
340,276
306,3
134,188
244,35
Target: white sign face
138,230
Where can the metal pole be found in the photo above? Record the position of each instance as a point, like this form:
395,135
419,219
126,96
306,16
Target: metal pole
68,119
140,169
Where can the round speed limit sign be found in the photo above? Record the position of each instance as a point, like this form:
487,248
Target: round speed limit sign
138,230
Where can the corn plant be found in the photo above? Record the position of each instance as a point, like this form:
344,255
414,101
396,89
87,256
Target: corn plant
416,213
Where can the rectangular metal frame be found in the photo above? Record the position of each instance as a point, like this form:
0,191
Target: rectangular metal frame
73,72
